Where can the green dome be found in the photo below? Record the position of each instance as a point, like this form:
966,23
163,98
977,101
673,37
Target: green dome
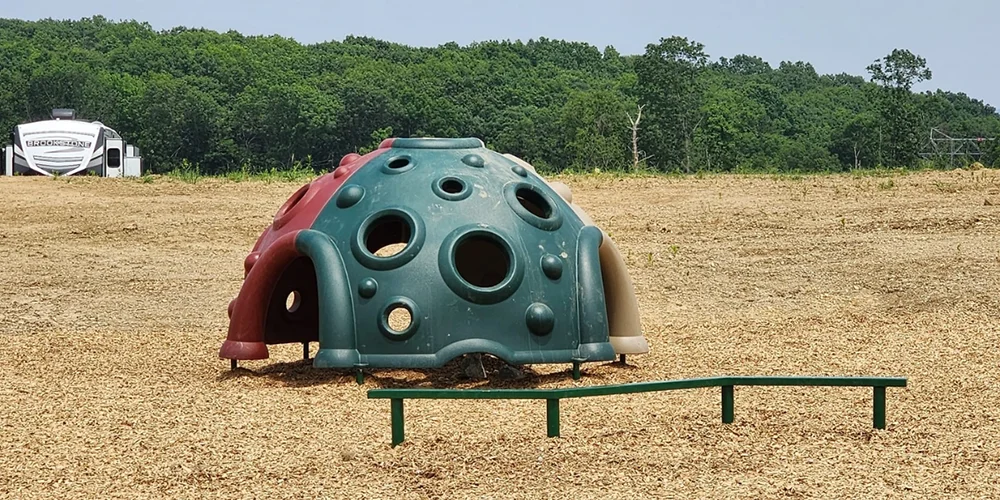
479,252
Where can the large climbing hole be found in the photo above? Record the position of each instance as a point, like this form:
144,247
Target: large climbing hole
293,301
482,261
388,236
534,202
399,318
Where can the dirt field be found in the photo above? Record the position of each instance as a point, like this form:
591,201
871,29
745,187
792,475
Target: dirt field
114,308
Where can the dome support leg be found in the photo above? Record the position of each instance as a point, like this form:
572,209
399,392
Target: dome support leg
337,342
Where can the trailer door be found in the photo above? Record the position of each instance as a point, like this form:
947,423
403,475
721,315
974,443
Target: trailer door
113,157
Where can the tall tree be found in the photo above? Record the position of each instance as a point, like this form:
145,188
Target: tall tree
668,85
896,74
595,122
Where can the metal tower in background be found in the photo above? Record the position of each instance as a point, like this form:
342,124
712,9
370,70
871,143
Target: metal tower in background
944,146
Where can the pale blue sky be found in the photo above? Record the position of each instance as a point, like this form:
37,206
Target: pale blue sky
958,38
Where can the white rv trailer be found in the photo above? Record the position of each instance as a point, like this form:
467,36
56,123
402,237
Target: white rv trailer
65,145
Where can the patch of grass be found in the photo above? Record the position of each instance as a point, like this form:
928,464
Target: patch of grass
243,174
191,173
186,172
860,173
302,171
297,173
772,173
788,177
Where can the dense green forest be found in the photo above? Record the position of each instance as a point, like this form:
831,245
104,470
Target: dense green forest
225,101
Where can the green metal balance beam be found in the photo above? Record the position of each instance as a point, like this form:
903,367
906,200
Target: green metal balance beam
552,396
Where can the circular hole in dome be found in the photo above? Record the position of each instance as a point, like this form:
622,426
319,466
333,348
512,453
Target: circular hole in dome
534,202
479,264
399,318
296,197
482,261
398,163
452,186
388,236
293,301
287,209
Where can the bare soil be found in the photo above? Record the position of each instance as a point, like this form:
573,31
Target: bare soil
114,296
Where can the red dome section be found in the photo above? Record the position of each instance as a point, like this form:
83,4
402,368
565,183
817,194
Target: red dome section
272,255
305,204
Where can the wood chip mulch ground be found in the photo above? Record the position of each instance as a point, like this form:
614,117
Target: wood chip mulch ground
114,296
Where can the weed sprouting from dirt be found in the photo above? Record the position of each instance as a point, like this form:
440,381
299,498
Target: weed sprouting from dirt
946,187
186,172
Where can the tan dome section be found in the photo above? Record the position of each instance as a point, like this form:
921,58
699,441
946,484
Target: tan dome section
624,321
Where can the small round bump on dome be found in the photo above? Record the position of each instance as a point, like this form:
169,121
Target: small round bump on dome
474,160
340,172
349,158
540,319
519,170
367,288
250,261
552,266
350,195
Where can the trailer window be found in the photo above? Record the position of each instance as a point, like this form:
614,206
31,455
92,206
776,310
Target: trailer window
114,158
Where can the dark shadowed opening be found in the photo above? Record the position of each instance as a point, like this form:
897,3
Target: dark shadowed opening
293,311
388,236
400,162
482,261
534,203
452,186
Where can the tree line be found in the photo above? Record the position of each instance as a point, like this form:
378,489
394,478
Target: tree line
227,101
